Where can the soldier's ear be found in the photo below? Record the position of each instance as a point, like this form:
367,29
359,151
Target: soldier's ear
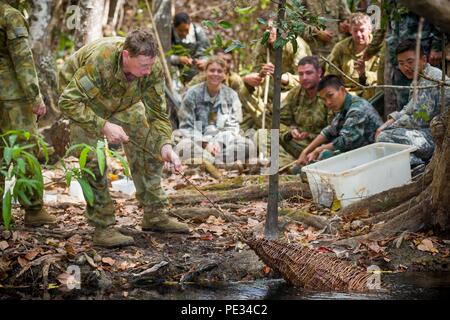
125,54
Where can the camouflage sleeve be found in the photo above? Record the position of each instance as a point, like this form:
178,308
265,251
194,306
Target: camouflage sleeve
186,114
237,116
372,73
286,115
377,42
75,98
352,131
155,104
203,43
260,57
22,57
334,57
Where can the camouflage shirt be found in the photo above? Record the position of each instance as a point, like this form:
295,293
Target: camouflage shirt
334,9
95,89
354,126
205,115
344,57
18,78
289,63
417,115
302,112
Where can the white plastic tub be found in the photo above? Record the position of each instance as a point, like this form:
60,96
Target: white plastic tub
357,174
125,186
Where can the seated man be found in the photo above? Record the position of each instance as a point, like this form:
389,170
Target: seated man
209,120
411,125
303,114
348,54
354,125
193,38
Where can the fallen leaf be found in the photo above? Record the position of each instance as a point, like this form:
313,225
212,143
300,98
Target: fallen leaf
324,249
266,270
375,247
70,251
4,245
207,237
252,222
30,255
109,261
77,239
427,245
22,261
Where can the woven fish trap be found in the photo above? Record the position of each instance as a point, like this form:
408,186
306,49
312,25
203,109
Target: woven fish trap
310,269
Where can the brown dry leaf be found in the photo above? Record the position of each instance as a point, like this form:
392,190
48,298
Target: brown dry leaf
70,250
207,237
266,270
216,221
76,238
252,222
4,245
109,261
124,265
30,255
427,245
311,234
90,260
375,247
22,261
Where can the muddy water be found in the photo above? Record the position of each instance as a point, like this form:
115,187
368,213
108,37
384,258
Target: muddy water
412,285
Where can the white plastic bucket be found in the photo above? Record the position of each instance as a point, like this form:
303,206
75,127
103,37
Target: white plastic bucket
360,173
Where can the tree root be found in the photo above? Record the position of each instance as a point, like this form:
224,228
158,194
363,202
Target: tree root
308,219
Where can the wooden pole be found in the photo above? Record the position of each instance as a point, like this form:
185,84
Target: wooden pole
266,93
161,50
271,227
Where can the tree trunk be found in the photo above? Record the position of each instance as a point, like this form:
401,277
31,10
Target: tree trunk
163,20
437,11
440,190
41,27
91,13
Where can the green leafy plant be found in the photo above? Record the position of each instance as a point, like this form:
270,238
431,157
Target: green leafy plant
80,172
421,113
297,18
21,168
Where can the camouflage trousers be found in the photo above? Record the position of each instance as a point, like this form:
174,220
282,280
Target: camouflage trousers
421,139
233,146
145,167
18,115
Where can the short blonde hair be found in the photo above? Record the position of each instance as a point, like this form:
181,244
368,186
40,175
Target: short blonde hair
359,18
218,60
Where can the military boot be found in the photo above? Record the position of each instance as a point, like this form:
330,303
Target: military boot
109,237
160,222
38,218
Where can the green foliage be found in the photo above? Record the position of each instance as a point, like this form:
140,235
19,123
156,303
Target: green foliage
82,172
422,114
19,164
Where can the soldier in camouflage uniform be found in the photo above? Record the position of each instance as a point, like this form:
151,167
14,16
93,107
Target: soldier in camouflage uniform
114,87
348,54
411,125
402,25
20,97
323,41
193,38
209,120
354,125
303,114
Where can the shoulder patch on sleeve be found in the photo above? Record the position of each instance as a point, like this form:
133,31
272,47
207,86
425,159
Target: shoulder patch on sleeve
88,86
